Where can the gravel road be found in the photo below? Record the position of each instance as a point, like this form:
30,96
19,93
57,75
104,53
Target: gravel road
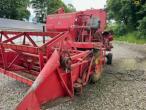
122,86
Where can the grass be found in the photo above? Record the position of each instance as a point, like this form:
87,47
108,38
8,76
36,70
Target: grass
131,38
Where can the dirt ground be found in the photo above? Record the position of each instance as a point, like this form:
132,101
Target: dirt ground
121,87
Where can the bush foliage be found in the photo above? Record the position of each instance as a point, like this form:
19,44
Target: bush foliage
128,16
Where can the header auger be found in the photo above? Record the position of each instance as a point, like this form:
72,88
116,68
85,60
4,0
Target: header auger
59,62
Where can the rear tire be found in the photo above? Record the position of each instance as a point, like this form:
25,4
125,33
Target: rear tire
109,58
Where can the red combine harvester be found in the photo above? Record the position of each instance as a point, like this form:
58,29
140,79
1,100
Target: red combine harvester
59,62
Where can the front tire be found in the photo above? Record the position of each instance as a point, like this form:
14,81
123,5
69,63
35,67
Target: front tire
95,78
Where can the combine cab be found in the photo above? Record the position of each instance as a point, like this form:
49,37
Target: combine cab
59,62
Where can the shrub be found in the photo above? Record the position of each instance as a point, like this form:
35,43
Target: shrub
142,28
118,29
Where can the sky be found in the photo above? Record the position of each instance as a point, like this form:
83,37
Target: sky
80,5
86,4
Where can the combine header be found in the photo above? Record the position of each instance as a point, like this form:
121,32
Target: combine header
59,62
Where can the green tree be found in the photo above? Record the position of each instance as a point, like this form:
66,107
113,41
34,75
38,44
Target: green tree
45,7
54,5
41,7
14,9
142,28
128,13
71,8
123,11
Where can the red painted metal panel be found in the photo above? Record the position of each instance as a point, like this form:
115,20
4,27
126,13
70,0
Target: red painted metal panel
16,76
60,22
46,87
102,16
